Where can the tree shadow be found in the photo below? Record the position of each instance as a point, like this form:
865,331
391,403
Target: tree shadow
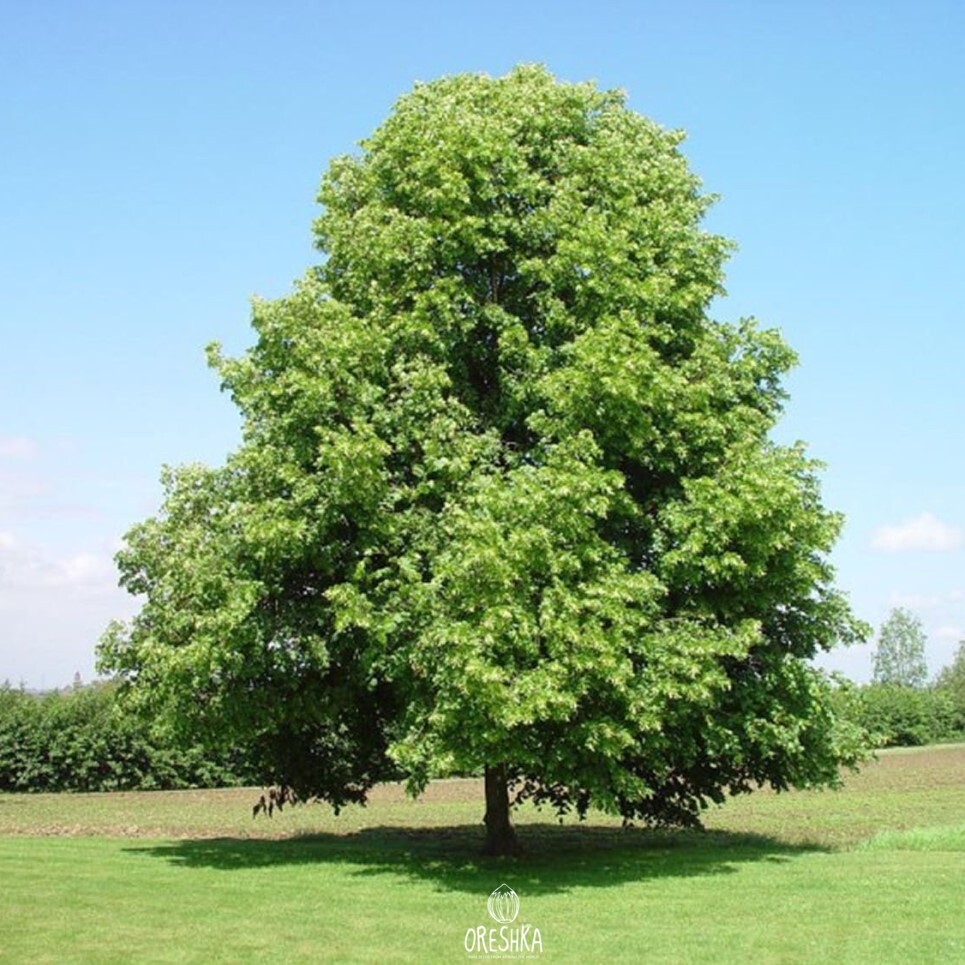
556,858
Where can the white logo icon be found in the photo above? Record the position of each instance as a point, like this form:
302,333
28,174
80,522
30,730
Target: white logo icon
504,904
503,908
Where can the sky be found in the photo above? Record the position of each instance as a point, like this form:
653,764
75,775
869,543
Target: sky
160,163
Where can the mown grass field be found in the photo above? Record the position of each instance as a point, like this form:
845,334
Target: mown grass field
873,873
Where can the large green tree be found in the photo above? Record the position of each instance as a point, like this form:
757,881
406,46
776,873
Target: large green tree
505,499
900,655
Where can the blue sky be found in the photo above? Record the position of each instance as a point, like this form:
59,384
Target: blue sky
160,162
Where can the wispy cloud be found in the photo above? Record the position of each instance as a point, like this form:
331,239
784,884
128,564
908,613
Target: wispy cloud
26,493
915,601
26,568
53,609
926,601
18,447
950,633
924,532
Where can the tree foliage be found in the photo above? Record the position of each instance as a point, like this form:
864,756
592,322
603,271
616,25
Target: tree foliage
505,496
896,716
900,655
83,740
951,682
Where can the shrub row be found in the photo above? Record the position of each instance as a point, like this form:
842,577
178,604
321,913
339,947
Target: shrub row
81,740
897,716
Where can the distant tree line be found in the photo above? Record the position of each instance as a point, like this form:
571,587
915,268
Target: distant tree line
898,708
83,739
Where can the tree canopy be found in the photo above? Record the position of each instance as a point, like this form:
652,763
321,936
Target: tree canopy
506,496
900,654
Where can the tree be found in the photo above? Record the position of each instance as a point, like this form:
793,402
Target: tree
951,681
505,499
900,654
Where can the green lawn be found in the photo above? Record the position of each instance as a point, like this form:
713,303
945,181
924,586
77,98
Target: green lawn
875,873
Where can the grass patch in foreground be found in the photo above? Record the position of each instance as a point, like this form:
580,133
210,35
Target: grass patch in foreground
919,839
396,895
845,877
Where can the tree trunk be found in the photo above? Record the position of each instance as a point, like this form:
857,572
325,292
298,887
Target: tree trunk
500,836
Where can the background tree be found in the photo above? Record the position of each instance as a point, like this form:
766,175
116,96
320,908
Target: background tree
951,682
900,655
505,498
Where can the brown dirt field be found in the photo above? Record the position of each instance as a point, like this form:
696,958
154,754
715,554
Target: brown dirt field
908,768
468,790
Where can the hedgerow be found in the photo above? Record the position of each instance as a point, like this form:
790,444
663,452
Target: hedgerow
84,740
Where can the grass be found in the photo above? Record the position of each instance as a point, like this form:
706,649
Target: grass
875,873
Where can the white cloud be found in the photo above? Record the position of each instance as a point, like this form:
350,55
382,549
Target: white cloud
915,601
17,447
924,532
947,601
950,633
25,568
53,609
26,494
20,488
